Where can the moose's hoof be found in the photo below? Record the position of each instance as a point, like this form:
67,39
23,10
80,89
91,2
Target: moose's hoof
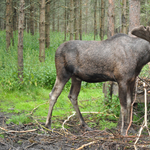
86,128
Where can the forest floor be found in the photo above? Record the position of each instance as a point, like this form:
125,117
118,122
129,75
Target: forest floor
34,136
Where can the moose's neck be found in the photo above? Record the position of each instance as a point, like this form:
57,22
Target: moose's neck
143,52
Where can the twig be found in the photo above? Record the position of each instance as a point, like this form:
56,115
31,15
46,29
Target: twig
13,131
36,108
86,112
93,142
145,116
67,120
30,145
46,128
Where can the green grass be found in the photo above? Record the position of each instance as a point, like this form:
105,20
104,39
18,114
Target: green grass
21,103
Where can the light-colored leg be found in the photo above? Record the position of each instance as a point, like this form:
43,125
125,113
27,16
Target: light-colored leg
57,89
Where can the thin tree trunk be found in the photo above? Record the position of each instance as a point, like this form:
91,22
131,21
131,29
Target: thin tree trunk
12,15
20,40
102,20
58,16
15,17
86,16
71,19
124,17
8,23
42,31
47,24
53,17
95,18
76,20
80,23
134,14
111,25
31,17
27,17
65,21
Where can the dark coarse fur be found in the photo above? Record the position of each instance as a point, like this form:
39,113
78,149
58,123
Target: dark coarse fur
119,58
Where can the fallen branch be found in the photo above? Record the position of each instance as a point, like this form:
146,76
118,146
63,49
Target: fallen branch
67,120
93,142
88,112
13,131
46,128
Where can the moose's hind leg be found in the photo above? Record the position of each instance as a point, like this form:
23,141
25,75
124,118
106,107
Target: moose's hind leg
73,95
56,91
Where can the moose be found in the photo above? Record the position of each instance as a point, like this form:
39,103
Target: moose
119,58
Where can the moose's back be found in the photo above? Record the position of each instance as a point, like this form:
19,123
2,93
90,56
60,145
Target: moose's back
96,61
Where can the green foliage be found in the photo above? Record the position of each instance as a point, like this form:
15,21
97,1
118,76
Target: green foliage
19,119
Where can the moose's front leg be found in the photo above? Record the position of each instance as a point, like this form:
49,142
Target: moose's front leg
125,102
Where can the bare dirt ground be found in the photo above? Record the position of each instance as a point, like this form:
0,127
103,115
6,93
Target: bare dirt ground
37,137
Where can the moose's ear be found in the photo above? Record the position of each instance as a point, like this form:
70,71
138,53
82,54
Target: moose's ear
142,32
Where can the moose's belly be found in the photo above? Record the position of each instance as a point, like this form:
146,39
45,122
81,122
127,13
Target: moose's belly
94,77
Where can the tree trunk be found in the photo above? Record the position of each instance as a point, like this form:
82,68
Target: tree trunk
71,19
27,18
58,15
65,21
95,18
47,24
20,40
86,16
42,31
32,17
111,25
76,19
134,14
102,20
124,17
80,23
53,17
8,23
15,17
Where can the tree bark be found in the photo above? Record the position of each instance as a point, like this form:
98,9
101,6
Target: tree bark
47,24
65,21
15,17
80,23
102,20
20,40
42,31
27,17
53,17
71,19
134,14
95,19
86,16
58,15
76,19
111,25
31,17
124,17
8,23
